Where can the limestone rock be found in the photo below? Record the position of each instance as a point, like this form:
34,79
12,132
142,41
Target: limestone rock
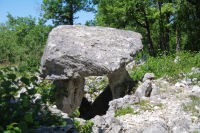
144,89
75,52
156,128
65,129
149,76
78,51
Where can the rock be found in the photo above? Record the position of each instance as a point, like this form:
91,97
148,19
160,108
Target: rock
106,124
156,128
121,103
78,51
155,90
181,126
65,129
196,90
177,59
179,84
120,82
195,70
74,52
130,66
144,89
68,94
149,76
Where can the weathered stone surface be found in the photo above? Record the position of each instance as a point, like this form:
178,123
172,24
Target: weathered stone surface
65,129
156,128
75,52
68,94
144,89
149,76
120,82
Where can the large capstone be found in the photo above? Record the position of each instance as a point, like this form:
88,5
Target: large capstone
74,52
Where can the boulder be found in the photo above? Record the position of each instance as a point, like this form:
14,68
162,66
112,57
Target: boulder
149,76
74,52
144,89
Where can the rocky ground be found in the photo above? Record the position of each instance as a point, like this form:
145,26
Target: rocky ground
171,108
157,106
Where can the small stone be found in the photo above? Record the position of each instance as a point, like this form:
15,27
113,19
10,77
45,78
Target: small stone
149,76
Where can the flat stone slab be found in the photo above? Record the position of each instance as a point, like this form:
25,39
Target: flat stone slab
74,51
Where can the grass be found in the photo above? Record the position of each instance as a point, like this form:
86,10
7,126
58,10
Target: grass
190,107
145,105
164,66
127,110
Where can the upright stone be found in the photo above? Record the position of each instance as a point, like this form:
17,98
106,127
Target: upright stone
74,52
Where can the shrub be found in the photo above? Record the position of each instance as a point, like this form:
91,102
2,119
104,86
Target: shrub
127,110
19,113
164,65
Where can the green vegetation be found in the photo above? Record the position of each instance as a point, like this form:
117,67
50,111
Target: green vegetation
166,25
85,128
144,105
62,11
127,110
22,41
169,29
163,66
23,112
191,106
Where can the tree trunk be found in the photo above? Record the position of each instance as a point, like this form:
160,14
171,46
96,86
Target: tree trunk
167,32
161,30
71,14
178,41
150,44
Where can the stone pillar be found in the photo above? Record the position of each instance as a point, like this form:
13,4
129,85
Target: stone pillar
69,94
120,83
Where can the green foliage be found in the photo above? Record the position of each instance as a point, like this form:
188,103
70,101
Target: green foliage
85,128
62,11
20,112
22,40
165,25
127,110
164,65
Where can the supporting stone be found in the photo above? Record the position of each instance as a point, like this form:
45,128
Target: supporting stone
120,83
68,94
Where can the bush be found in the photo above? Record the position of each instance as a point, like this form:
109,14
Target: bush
23,40
19,113
164,65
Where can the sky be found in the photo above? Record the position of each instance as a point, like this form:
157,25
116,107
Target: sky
23,8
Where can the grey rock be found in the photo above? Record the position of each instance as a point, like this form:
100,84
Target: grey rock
78,51
149,76
65,129
121,103
155,90
181,126
68,94
156,128
75,52
195,70
177,59
106,124
120,82
144,89
196,90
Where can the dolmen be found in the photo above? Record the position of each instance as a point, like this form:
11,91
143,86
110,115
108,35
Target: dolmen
74,52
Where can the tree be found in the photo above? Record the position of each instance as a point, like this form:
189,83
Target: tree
62,11
124,14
